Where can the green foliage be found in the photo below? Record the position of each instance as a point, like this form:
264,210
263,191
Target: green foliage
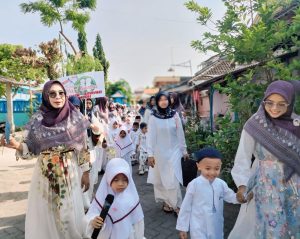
63,11
20,63
78,19
48,11
226,140
196,133
82,42
120,85
98,53
83,64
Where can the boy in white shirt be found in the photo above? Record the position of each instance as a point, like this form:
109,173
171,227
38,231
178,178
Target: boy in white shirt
201,212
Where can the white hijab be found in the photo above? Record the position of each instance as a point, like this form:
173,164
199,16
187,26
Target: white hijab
126,209
123,145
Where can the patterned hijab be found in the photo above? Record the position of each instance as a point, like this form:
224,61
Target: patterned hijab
279,136
52,127
163,113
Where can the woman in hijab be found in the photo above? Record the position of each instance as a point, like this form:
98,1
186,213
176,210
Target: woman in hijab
56,135
149,108
125,219
101,109
177,106
165,147
273,180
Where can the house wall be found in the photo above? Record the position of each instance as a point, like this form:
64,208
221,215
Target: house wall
220,103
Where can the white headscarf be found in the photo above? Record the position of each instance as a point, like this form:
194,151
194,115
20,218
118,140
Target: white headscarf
126,209
123,145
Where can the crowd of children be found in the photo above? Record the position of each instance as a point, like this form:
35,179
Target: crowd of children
118,138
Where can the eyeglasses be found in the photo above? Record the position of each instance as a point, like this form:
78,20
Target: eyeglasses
54,94
280,105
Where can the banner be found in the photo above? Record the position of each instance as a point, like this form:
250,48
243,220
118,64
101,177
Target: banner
85,85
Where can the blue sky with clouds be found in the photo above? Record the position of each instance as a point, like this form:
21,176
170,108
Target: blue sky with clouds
141,38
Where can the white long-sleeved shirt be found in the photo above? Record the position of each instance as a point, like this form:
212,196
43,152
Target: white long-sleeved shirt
201,212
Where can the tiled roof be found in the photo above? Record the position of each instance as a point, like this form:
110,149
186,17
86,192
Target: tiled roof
218,68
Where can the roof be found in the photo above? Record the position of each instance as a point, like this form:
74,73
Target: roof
12,81
151,91
180,88
166,79
118,94
236,70
217,68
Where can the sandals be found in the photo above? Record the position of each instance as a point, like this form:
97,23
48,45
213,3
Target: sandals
166,208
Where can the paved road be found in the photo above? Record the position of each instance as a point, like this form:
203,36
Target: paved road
15,180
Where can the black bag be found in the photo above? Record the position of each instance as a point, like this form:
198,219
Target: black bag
189,170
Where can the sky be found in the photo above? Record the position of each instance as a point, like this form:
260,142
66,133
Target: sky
141,38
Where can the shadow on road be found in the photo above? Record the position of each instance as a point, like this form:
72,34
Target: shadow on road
15,196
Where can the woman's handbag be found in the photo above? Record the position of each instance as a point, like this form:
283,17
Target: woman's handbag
189,170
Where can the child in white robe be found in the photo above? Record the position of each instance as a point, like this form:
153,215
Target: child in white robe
134,135
201,212
125,219
113,132
124,146
142,148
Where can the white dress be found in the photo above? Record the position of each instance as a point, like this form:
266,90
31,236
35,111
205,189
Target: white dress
48,215
166,143
125,218
201,211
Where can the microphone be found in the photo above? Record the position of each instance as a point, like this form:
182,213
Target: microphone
107,203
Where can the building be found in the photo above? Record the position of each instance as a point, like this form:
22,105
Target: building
160,81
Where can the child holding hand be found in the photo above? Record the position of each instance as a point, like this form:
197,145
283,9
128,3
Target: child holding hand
201,212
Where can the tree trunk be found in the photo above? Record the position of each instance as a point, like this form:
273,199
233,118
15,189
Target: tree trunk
9,102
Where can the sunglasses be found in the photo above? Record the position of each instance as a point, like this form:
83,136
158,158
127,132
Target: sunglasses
280,105
54,94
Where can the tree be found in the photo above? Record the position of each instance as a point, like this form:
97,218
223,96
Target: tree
83,64
82,42
120,85
62,11
20,63
98,53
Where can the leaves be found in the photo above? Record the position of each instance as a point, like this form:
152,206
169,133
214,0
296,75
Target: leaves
49,15
120,85
78,19
83,64
63,11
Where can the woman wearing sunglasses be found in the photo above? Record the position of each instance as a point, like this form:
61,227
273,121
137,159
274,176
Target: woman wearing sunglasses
56,135
273,180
